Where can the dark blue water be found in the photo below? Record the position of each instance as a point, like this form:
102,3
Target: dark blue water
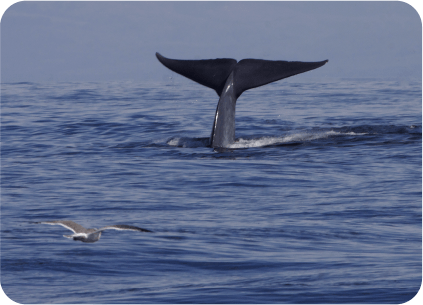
319,200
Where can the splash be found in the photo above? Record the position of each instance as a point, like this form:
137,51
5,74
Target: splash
293,137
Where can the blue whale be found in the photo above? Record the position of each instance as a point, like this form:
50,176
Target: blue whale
230,79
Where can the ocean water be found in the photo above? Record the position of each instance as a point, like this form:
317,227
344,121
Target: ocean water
318,201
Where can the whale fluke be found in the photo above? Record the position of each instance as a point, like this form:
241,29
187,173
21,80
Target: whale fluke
230,79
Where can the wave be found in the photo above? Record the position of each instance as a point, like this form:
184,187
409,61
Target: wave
295,137
299,136
188,142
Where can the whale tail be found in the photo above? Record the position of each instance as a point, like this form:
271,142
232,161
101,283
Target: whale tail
230,79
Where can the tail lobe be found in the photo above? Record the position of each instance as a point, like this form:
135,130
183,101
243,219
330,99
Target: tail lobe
211,73
252,73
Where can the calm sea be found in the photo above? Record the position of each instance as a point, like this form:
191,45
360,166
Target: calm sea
318,201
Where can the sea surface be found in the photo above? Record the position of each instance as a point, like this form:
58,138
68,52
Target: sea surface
318,201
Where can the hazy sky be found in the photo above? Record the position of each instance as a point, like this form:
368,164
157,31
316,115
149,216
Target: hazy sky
96,41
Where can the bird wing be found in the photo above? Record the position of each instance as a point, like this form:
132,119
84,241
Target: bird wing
122,228
68,224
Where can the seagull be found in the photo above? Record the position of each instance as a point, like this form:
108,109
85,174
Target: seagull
88,235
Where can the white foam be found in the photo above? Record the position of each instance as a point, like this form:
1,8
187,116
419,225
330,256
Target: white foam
292,137
304,136
173,142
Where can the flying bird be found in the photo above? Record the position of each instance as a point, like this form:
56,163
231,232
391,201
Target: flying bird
88,235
